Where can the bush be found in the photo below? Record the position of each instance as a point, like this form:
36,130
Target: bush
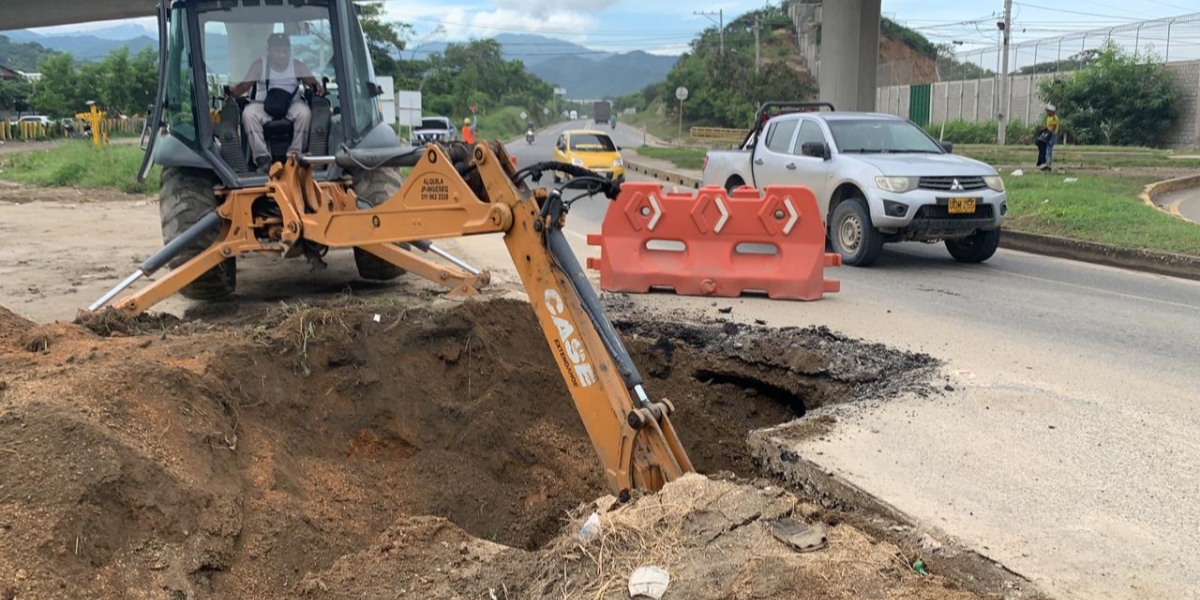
1120,99
967,132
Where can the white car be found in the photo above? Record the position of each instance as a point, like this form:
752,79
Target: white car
877,179
44,120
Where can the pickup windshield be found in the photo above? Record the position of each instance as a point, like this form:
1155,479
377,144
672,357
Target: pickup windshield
881,137
435,124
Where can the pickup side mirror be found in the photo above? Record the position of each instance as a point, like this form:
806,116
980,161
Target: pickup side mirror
815,150
373,89
947,146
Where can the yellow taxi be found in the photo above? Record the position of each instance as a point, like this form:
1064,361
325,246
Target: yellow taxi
592,150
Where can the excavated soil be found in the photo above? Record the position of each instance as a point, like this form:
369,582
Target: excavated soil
379,452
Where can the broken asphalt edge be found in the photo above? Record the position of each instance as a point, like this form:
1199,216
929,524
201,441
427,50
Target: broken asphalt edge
777,456
1147,261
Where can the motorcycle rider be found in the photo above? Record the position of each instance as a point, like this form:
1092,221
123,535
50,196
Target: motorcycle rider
529,132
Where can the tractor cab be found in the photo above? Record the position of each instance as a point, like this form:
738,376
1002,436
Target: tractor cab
211,47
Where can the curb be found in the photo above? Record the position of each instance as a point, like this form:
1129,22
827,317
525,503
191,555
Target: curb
667,176
1149,261
1154,190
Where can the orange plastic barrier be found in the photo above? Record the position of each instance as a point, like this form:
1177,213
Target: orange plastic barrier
712,244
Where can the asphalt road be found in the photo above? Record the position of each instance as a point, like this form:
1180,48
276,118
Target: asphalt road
1185,203
1067,448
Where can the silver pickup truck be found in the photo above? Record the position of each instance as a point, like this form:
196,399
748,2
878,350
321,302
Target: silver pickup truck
877,179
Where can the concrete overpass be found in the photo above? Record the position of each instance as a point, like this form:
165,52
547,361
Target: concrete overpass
849,38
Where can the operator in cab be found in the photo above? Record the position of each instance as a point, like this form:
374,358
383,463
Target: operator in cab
275,79
468,132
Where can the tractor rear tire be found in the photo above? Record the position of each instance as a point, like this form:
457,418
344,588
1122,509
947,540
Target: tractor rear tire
375,187
185,197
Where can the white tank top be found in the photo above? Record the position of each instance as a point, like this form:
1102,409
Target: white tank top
285,79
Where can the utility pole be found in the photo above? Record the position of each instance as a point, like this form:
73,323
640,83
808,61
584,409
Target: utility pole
1002,99
757,45
720,23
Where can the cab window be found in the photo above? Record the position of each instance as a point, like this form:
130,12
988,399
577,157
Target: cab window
779,136
810,132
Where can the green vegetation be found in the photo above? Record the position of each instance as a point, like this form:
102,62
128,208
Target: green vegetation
78,164
724,90
1077,157
966,132
1097,208
22,56
684,158
910,38
1120,98
121,84
503,124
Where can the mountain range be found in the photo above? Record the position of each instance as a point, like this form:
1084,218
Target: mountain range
586,73
92,45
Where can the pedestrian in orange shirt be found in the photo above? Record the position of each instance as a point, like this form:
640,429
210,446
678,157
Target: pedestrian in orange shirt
468,131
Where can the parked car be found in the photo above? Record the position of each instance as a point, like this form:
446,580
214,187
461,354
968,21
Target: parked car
590,149
433,130
44,120
877,179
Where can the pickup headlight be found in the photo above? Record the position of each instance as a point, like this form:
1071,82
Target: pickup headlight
995,182
896,185
577,162
617,164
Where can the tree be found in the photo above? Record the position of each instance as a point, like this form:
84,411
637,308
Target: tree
385,40
15,95
55,93
1121,98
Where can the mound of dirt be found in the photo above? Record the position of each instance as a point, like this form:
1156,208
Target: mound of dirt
215,462
713,537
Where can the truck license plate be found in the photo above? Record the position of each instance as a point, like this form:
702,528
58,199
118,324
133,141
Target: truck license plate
962,206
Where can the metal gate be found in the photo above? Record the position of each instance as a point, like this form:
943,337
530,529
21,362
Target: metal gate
919,99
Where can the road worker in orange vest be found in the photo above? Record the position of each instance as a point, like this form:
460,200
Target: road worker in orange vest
468,131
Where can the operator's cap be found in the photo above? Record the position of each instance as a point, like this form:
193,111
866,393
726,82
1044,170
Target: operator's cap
467,121
278,39
1050,107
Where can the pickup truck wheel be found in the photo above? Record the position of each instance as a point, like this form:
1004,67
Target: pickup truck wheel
853,235
733,184
975,248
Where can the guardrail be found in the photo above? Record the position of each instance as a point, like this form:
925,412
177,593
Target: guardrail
33,131
719,133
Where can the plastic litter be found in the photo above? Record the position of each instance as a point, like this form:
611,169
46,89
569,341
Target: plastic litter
919,567
799,536
1018,173
1070,180
590,529
649,582
378,318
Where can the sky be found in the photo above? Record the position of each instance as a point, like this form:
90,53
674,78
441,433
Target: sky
665,27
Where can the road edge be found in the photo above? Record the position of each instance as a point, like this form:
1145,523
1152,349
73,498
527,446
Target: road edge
976,571
1151,193
1148,261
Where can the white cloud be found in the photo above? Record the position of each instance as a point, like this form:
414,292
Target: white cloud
545,9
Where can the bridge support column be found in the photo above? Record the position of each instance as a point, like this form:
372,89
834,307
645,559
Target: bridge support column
849,53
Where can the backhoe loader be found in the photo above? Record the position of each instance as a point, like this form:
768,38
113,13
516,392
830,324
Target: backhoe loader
305,205
196,129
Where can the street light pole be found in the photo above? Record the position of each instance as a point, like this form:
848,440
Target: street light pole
1002,97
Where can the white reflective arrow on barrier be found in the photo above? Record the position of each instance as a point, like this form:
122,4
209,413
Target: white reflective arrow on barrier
657,212
794,216
724,215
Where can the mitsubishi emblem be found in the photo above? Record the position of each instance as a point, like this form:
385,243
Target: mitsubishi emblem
956,186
